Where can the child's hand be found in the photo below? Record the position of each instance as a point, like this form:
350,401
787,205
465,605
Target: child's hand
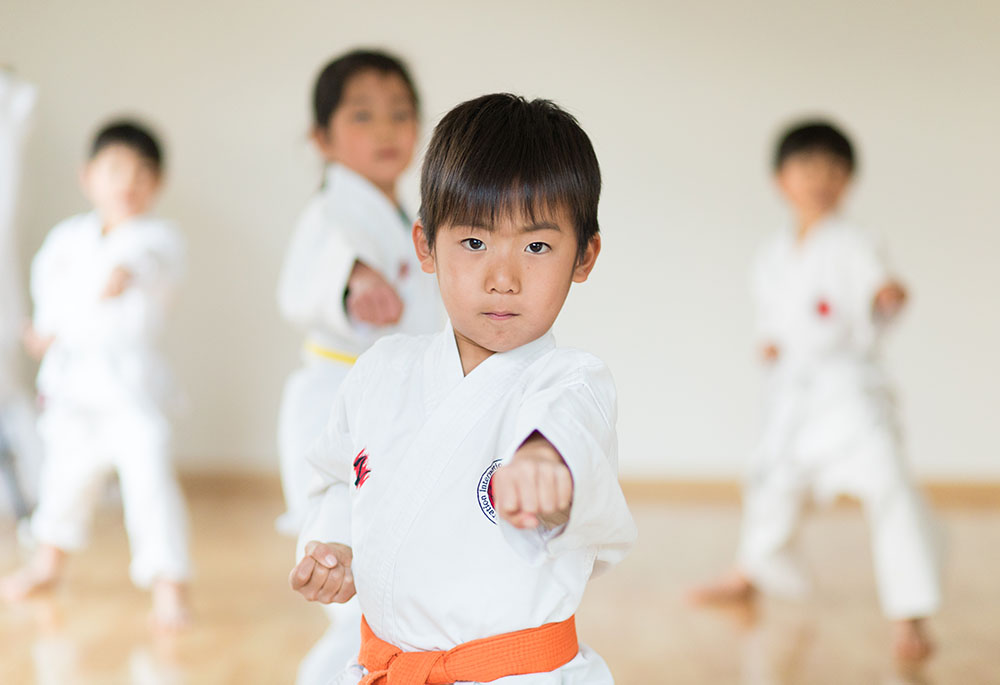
120,279
535,487
324,574
371,299
35,344
889,300
769,353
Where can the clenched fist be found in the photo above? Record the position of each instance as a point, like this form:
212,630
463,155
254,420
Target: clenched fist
324,573
371,298
535,488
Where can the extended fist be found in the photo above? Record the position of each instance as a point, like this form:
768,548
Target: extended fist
535,488
889,300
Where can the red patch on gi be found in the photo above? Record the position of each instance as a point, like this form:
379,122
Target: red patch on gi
361,470
823,308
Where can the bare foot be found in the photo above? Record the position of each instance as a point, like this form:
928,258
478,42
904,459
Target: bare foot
170,607
909,640
730,588
40,573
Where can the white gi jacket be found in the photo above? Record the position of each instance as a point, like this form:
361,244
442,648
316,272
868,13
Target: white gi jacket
404,475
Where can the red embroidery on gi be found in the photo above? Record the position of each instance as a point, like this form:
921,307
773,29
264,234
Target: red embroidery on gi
823,308
361,470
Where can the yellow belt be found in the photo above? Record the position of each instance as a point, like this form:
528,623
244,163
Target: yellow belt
326,353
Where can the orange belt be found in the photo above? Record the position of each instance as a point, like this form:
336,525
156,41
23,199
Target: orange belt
535,650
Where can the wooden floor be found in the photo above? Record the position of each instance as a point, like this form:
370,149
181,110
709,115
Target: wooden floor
251,629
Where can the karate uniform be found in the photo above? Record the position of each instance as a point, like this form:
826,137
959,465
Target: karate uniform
17,420
404,477
830,423
349,220
104,385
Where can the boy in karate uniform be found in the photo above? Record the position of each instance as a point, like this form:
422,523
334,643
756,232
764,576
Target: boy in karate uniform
467,481
101,284
823,297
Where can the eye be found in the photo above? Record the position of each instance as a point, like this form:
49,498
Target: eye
362,116
402,116
537,248
474,244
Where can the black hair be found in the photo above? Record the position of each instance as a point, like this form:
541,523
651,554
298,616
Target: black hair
133,135
815,136
500,153
330,83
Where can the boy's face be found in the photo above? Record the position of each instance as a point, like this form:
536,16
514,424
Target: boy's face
120,183
373,130
813,182
504,285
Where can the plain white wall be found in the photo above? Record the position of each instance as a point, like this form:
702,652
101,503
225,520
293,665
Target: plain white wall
682,101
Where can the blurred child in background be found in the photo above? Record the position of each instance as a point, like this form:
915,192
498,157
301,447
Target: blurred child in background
824,296
101,285
349,278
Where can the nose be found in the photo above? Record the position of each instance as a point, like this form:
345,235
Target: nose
503,277
386,128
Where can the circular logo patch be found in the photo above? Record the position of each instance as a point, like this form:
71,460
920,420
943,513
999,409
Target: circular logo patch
485,491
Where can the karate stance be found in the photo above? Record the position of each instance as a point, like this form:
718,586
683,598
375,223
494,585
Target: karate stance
823,297
101,283
467,484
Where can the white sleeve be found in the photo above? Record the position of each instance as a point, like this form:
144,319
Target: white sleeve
578,420
767,326
869,273
48,291
315,273
328,509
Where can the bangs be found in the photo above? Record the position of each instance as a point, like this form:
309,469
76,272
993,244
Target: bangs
501,157
484,204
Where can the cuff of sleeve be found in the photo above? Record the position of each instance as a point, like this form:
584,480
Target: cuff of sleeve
532,544
333,305
327,519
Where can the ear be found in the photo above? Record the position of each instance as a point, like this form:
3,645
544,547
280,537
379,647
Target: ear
159,180
581,272
779,178
425,252
323,142
83,177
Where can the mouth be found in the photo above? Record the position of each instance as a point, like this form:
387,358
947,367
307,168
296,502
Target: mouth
388,153
500,316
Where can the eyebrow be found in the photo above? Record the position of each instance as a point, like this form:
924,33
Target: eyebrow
367,100
542,226
530,228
